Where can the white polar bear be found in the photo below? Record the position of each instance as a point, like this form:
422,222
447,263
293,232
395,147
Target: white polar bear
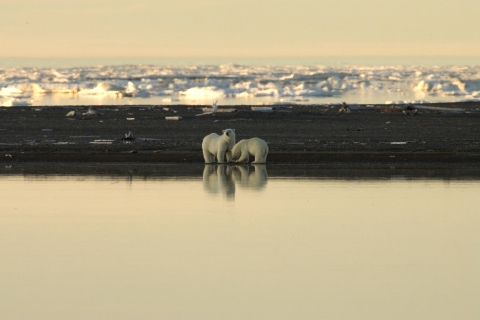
219,146
250,147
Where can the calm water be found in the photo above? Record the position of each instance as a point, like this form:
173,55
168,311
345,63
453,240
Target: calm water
236,243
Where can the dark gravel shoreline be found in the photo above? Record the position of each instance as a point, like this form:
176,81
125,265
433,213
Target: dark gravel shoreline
159,171
298,134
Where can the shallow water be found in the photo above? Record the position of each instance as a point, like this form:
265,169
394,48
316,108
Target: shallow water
236,243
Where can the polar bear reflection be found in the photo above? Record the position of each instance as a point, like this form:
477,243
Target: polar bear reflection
218,179
224,178
247,177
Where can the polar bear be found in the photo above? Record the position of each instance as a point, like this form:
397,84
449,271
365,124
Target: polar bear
219,146
250,147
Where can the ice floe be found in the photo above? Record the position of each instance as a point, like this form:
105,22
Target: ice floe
237,84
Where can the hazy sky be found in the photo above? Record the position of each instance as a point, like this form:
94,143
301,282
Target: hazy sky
238,28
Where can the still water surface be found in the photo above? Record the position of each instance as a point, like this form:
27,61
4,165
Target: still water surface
238,245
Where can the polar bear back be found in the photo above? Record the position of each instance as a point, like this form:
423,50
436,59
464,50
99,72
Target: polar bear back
210,143
250,147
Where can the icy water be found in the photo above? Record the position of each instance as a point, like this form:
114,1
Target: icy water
236,243
234,84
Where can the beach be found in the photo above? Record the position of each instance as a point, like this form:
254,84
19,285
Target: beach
436,133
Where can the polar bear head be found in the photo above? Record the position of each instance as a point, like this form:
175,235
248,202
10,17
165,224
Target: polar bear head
229,133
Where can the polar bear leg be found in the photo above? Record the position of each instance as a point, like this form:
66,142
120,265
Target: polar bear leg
244,155
258,160
221,154
209,157
228,154
261,157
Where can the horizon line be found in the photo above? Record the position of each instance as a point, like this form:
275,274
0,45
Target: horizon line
378,60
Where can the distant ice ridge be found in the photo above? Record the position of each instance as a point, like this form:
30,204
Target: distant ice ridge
240,84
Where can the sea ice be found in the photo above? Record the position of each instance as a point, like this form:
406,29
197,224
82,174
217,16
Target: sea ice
236,83
202,93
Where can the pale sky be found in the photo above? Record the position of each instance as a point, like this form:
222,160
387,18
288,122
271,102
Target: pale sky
238,28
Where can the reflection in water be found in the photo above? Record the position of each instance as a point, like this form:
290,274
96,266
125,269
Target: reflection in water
218,179
149,171
75,247
224,178
251,177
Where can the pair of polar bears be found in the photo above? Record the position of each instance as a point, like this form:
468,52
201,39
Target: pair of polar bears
223,146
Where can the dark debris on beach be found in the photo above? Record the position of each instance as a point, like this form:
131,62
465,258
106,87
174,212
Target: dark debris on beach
295,133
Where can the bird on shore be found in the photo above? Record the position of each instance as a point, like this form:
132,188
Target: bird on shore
128,136
345,108
205,110
90,111
71,113
410,110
